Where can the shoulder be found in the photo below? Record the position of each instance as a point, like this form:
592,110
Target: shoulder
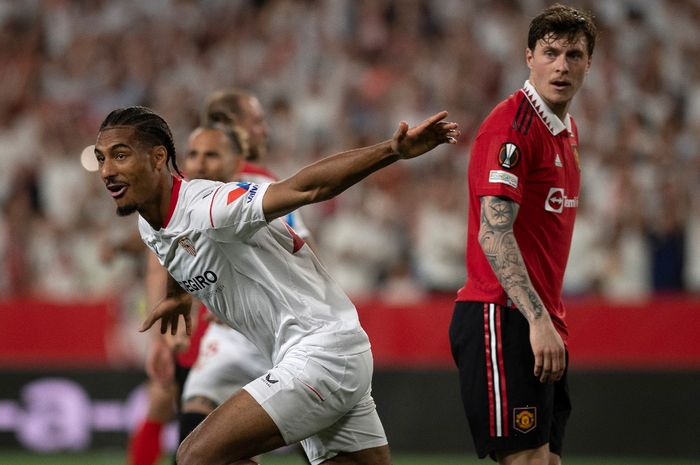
514,114
509,122
198,189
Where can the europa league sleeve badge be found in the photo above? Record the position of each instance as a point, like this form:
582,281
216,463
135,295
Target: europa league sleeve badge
509,155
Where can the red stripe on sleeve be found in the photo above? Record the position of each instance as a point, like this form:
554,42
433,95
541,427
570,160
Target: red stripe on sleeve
211,206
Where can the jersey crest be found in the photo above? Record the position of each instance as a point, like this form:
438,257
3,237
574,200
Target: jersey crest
188,246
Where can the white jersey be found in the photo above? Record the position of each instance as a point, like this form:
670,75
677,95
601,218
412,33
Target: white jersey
256,276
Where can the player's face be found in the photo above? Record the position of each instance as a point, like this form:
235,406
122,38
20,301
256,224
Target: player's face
557,69
253,122
211,156
129,169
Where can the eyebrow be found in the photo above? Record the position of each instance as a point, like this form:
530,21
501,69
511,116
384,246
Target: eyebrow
113,147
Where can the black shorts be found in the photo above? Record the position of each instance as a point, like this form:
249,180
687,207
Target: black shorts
507,408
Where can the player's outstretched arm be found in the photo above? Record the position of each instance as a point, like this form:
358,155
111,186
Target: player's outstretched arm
332,175
176,302
503,253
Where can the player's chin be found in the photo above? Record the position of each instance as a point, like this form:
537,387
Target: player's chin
126,209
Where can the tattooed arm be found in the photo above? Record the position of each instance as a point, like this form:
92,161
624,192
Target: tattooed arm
501,249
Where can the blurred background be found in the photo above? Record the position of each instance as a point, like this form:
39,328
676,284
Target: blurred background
333,75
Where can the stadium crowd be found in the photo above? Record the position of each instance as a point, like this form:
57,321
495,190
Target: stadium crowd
335,74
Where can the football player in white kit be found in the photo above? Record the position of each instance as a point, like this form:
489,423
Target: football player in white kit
227,360
224,244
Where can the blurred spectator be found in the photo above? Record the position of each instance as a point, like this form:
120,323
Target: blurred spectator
332,74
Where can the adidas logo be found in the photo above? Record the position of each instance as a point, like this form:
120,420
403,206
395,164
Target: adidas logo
557,161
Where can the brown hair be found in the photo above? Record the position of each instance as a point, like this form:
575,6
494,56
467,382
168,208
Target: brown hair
237,137
224,104
562,21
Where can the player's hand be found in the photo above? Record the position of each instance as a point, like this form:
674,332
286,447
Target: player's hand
178,343
548,348
410,143
168,311
160,365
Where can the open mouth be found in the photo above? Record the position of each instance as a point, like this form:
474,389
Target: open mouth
560,84
117,190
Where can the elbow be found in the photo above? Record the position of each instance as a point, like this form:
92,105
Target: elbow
320,194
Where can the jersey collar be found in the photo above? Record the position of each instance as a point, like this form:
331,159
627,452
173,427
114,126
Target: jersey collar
174,193
552,121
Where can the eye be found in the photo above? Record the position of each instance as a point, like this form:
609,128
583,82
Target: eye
120,156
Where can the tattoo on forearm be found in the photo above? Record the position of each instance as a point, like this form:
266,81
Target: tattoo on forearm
502,251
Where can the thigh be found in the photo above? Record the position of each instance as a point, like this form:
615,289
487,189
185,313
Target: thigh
357,437
311,389
562,411
237,429
182,372
374,456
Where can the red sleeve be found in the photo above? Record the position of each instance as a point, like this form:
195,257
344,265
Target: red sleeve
499,164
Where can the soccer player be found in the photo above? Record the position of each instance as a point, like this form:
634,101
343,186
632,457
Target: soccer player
225,244
508,330
227,361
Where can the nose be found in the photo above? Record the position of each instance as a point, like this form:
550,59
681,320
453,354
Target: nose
562,63
107,170
200,163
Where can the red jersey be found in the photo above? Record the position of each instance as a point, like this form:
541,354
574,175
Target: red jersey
255,173
524,152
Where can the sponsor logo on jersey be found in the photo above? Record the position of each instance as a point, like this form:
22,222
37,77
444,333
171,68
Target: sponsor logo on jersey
269,380
556,200
188,246
509,155
525,419
251,193
503,177
240,189
199,282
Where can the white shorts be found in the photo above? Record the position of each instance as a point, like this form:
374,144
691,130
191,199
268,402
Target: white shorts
323,399
227,361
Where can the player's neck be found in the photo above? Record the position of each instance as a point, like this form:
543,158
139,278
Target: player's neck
157,210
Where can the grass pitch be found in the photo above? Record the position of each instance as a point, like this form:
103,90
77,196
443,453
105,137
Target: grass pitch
118,458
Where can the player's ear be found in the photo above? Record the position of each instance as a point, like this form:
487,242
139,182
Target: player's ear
529,55
159,157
